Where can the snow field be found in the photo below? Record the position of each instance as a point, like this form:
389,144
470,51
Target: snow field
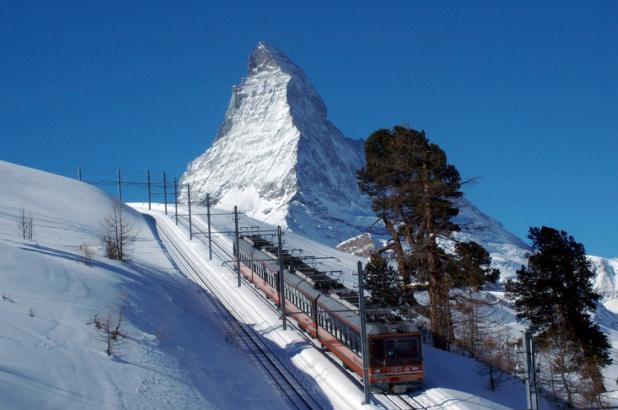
176,354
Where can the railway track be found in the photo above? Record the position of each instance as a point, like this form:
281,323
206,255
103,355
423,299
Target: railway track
396,402
294,393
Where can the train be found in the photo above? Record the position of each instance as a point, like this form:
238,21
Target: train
328,311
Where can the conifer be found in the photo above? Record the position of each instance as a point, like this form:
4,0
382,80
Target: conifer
554,293
412,189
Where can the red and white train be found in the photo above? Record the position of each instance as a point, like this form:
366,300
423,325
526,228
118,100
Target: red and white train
329,312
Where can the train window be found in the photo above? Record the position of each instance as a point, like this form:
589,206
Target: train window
401,350
376,353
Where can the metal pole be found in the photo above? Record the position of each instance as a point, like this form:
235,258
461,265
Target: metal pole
208,220
176,200
281,279
165,192
361,305
252,266
189,205
535,393
236,237
79,174
149,197
527,337
119,187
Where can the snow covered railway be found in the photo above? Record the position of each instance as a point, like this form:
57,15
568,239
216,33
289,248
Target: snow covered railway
329,312
290,389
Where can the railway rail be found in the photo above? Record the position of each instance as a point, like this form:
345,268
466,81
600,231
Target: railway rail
290,389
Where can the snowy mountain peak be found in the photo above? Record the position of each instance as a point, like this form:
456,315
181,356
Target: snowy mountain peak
266,57
278,157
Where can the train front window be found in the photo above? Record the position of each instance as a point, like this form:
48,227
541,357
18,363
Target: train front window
401,351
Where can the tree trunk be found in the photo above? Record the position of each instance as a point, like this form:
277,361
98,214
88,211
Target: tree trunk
438,290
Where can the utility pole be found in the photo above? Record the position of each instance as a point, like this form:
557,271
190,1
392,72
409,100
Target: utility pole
148,182
237,243
189,206
531,387
251,265
281,279
361,306
119,187
79,174
176,200
165,192
208,220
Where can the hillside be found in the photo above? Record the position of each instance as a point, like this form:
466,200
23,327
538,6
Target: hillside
175,355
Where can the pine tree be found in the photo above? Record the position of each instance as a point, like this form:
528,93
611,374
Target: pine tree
412,189
554,293
470,267
469,271
383,282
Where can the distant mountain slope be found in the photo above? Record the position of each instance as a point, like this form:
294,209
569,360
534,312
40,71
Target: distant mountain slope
605,281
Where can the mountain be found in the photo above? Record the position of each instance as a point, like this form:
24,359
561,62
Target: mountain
605,282
278,157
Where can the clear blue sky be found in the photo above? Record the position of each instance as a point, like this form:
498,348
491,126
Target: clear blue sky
520,94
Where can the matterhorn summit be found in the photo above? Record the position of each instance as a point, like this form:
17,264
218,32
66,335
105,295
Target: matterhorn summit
278,157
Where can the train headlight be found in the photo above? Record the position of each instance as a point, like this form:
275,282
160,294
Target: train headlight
378,371
415,368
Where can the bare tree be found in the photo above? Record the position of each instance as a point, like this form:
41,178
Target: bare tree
110,324
591,388
491,357
24,225
495,351
118,233
86,251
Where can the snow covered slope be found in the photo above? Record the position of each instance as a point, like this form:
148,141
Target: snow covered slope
605,282
176,355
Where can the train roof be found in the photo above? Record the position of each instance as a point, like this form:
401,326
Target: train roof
332,296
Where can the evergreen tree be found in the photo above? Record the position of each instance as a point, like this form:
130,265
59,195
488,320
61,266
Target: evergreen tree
554,293
469,271
383,282
470,267
412,189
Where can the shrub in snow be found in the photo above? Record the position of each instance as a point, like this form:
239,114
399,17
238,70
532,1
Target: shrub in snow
117,234
86,251
24,225
110,325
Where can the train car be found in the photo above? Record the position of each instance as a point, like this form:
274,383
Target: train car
329,312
